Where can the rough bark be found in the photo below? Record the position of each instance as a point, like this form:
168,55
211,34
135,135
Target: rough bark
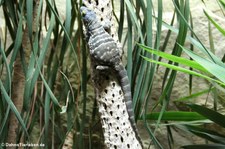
17,98
117,129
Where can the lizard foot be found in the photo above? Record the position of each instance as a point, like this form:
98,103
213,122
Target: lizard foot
99,67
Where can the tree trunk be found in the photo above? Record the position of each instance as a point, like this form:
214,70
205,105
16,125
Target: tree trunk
17,98
18,84
117,127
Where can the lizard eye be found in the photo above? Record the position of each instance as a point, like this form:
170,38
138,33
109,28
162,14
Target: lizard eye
83,11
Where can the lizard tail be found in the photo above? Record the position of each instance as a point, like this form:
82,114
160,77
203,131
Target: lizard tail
125,85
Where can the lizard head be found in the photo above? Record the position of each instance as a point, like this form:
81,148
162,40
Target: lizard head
88,16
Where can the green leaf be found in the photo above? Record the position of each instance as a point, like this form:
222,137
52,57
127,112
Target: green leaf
29,7
215,69
67,28
177,68
197,43
176,116
121,21
1,2
222,2
207,134
204,146
17,42
210,114
13,108
214,23
4,121
134,18
194,95
49,91
8,76
182,10
174,58
66,33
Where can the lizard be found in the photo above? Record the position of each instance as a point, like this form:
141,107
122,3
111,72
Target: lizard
107,55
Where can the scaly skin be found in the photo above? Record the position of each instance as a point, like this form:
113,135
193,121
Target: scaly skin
105,52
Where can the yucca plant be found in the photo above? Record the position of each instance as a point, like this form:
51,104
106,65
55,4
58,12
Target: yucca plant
39,61
204,65
46,94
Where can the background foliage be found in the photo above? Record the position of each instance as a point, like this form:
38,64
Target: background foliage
47,55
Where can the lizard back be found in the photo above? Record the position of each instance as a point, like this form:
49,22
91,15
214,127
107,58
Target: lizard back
103,48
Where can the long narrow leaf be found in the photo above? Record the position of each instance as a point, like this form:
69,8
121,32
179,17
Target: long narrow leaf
134,19
214,23
194,95
29,7
17,43
8,76
197,43
177,59
210,114
13,108
207,134
176,116
184,70
49,91
66,33
205,146
211,67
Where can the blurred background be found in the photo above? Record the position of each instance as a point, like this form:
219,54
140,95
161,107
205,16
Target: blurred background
173,51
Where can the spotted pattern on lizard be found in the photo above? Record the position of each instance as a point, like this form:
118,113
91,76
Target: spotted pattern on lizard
106,55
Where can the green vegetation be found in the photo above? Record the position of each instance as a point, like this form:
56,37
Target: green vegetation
45,83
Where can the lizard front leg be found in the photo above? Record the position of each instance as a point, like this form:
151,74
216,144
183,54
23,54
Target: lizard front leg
101,67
